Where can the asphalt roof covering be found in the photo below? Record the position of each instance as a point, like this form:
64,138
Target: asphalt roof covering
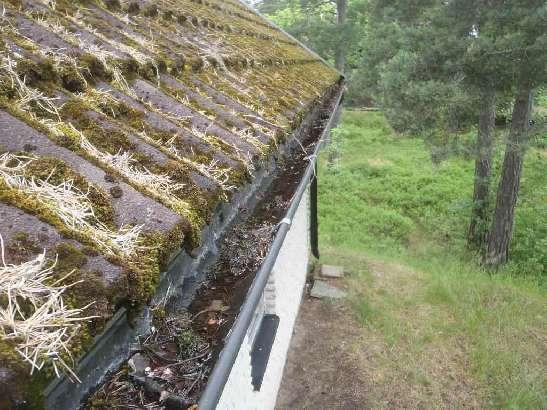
122,126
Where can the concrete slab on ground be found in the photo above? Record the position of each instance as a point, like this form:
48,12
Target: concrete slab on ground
322,289
330,271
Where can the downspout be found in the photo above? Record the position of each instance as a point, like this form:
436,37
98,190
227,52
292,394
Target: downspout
314,217
219,376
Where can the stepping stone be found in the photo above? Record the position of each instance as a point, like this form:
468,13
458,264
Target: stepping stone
322,289
329,271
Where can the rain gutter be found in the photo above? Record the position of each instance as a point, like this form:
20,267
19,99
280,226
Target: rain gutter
219,376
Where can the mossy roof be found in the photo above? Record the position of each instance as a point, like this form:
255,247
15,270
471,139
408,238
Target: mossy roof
144,114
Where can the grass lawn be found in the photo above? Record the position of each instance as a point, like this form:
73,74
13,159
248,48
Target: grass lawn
444,332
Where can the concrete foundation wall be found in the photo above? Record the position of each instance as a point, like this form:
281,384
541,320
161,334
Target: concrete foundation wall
282,297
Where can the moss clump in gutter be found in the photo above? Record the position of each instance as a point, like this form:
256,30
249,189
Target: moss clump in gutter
188,342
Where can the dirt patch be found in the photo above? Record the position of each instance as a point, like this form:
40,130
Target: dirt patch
382,348
321,371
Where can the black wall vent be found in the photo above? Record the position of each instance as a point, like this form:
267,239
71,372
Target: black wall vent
262,347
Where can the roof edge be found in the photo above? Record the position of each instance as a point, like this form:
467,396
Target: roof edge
223,367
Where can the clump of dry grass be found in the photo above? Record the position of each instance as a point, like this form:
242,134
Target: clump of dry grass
27,96
34,316
216,173
212,170
161,185
73,207
70,204
247,135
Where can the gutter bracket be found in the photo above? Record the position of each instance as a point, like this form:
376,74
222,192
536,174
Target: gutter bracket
287,221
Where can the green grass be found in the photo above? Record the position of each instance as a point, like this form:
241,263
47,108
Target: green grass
382,198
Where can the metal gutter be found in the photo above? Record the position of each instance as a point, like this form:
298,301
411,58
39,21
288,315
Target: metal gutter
221,372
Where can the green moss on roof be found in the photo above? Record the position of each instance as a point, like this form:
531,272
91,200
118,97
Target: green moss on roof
51,76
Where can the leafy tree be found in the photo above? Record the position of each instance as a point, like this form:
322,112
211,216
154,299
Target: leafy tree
504,55
418,67
440,68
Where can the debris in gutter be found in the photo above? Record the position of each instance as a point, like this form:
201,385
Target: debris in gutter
165,372
139,364
218,306
242,258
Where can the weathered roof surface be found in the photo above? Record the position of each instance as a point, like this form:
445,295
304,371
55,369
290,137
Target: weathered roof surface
122,126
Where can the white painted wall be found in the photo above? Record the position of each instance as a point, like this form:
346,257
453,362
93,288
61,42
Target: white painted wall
282,297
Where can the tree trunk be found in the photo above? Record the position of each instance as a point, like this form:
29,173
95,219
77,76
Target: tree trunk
501,232
341,47
478,226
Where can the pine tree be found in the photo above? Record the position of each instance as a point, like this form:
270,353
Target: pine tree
423,60
519,28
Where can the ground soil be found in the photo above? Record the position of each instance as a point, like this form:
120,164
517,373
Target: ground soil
338,362
321,371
